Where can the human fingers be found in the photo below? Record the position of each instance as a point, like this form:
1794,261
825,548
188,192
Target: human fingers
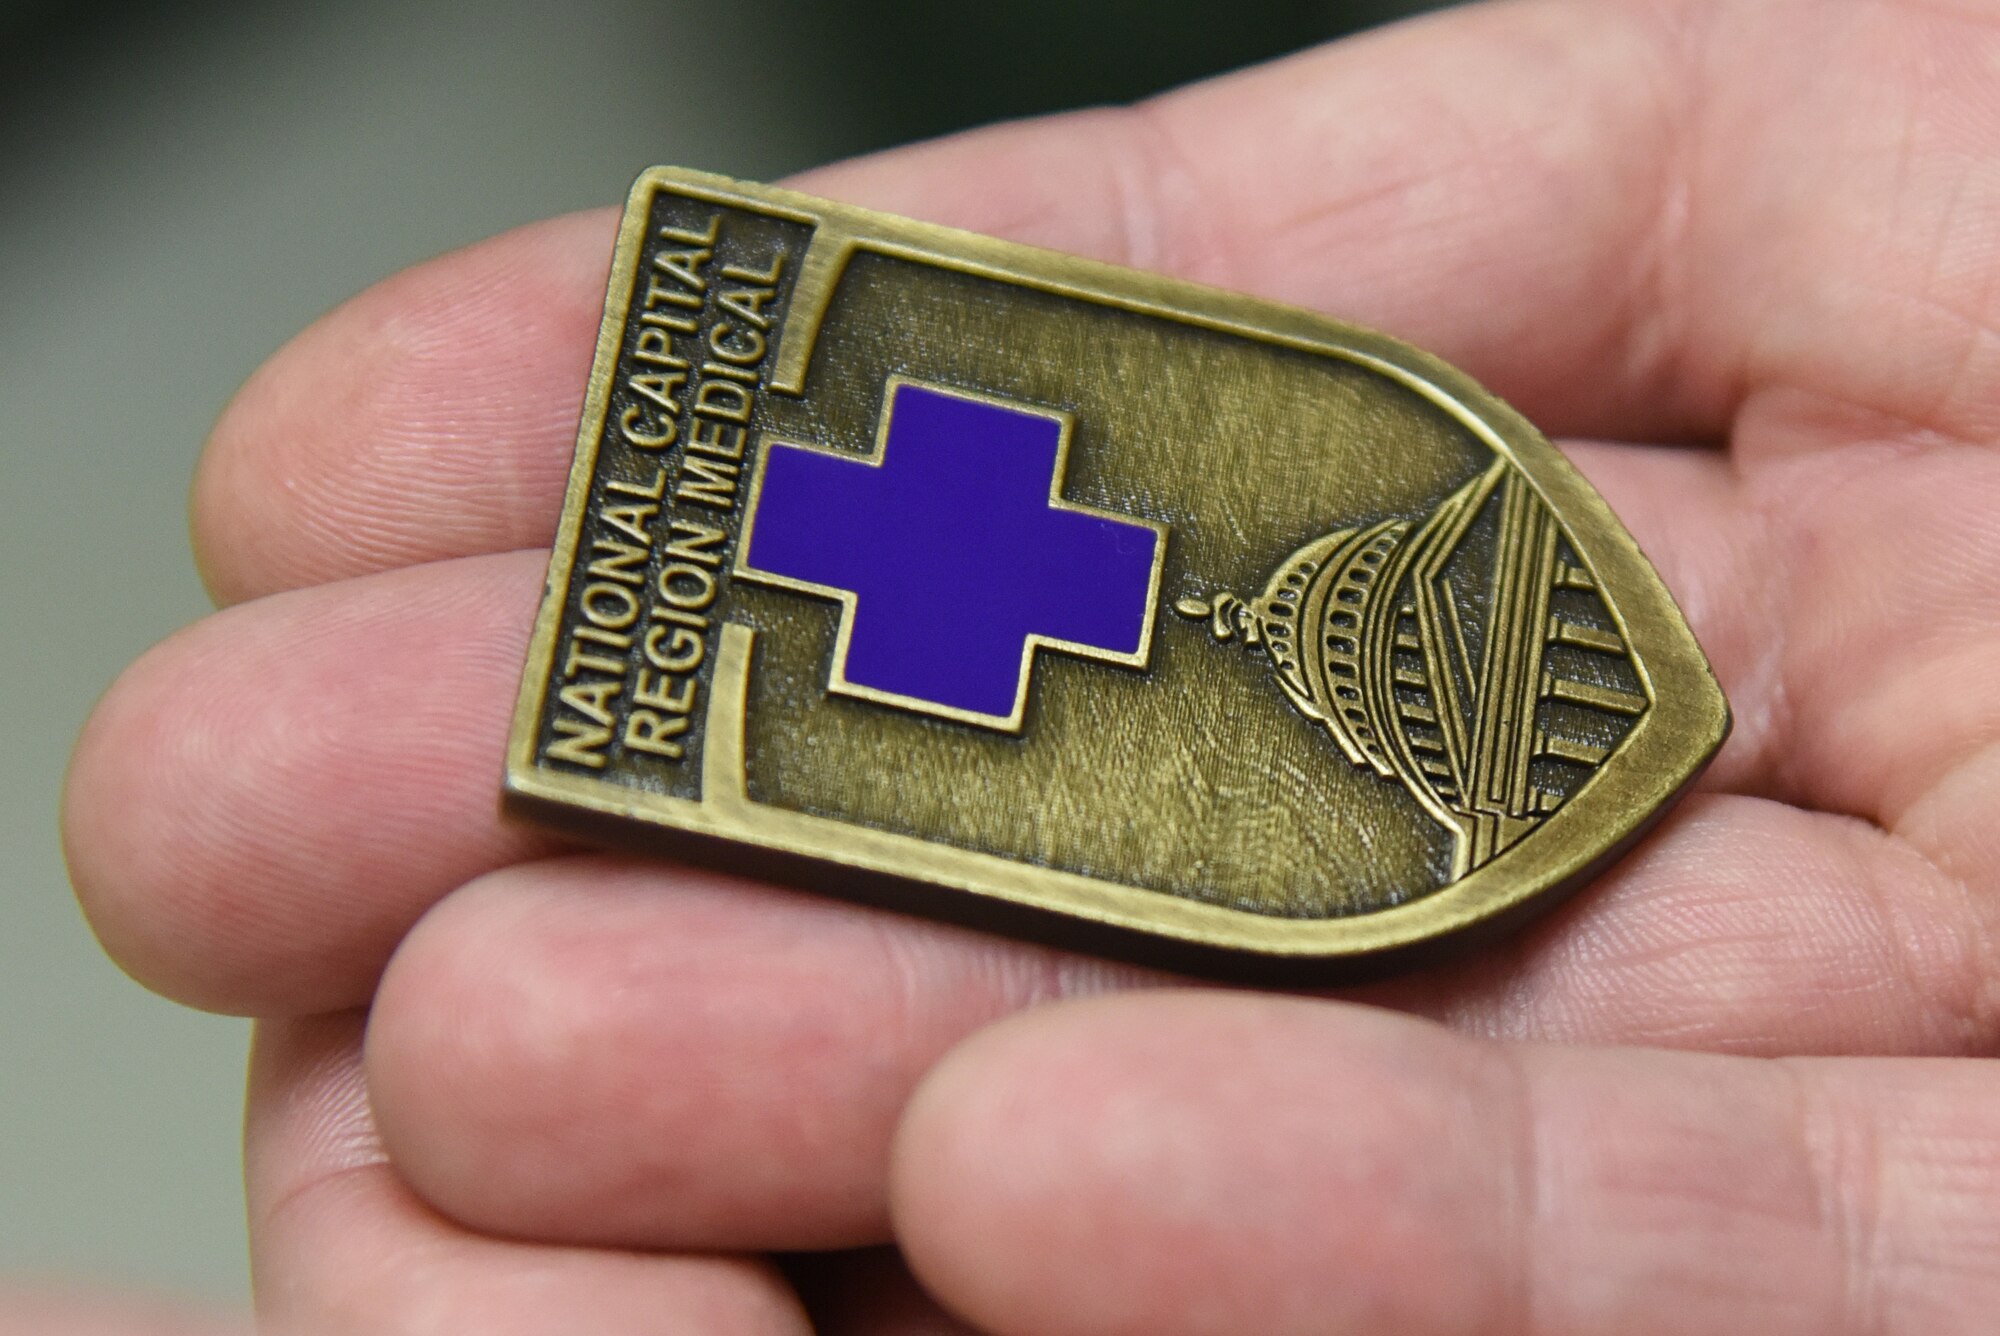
339,1247
605,1051
432,417
263,804
1735,983
1202,1165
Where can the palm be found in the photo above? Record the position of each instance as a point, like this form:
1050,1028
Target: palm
1769,225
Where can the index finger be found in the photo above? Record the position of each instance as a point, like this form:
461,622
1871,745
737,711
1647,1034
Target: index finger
1480,184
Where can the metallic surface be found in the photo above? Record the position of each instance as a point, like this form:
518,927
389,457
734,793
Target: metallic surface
1460,688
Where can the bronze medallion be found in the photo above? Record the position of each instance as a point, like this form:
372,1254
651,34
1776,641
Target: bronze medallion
898,562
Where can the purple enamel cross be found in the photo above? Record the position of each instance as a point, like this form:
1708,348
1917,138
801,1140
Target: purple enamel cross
953,554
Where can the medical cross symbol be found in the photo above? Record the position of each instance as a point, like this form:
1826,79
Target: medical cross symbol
952,554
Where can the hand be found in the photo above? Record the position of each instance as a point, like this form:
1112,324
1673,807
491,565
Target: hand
505,1087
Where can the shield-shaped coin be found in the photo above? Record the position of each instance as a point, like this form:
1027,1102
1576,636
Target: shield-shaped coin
1013,587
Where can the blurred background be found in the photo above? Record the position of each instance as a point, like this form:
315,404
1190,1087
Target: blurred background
185,186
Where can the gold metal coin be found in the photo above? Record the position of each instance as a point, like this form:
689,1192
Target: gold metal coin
1015,588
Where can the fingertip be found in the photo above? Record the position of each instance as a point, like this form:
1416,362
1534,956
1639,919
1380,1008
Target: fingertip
445,1099
626,1053
994,1170
125,862
409,423
263,803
